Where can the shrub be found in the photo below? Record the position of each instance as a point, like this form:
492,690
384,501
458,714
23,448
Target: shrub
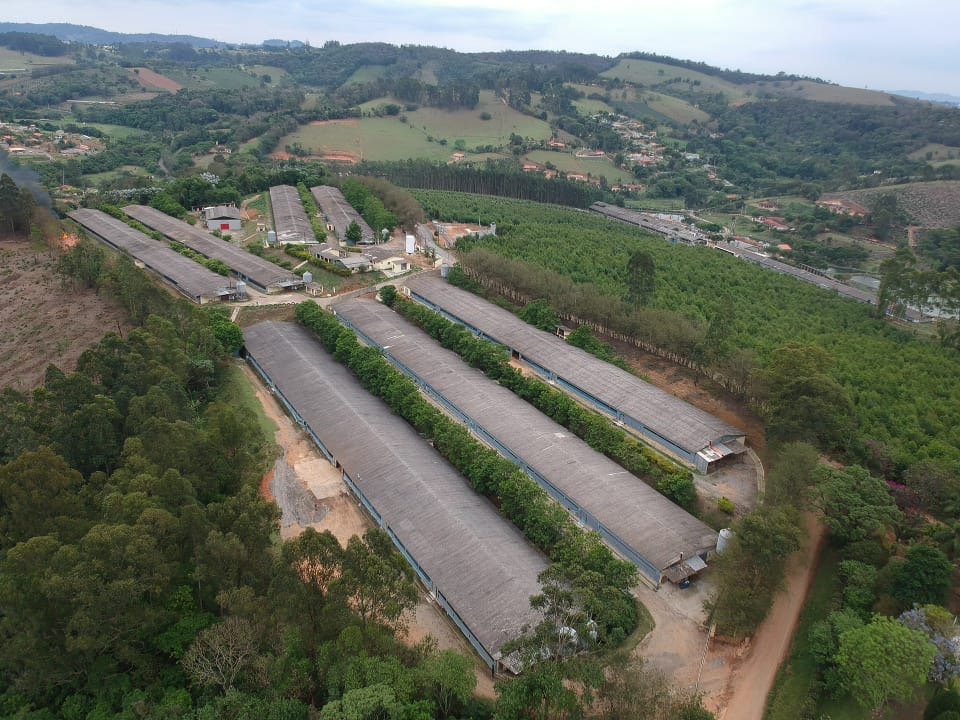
726,505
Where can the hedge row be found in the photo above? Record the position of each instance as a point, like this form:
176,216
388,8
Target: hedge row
310,206
591,427
584,559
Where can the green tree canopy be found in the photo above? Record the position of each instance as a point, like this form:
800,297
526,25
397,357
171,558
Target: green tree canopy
855,505
884,661
925,577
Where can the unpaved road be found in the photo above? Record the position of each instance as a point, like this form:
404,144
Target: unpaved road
752,680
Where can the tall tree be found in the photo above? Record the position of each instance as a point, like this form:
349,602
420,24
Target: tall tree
855,505
641,278
884,661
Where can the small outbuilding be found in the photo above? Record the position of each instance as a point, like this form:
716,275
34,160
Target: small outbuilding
223,217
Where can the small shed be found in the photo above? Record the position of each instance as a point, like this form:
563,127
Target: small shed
222,217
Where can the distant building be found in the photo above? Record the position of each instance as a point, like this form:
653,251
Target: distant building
222,217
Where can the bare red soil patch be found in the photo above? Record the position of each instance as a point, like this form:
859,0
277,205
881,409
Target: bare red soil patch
341,157
155,81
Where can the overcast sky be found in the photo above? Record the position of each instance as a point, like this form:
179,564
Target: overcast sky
881,44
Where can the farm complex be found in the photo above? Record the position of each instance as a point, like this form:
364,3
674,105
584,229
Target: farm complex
690,434
475,564
636,520
262,274
187,277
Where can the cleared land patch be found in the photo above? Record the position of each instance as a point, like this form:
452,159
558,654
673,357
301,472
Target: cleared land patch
154,80
821,92
937,154
13,60
929,204
44,322
675,108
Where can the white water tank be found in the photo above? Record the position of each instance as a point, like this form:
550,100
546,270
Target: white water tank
271,237
444,271
307,277
723,541
241,289
411,246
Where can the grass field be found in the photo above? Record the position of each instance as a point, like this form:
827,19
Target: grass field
674,108
207,78
587,106
11,60
109,175
569,163
428,73
648,73
276,74
367,73
237,390
388,138
116,132
939,154
821,92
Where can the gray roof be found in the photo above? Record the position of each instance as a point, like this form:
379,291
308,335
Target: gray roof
678,422
480,562
221,211
289,218
193,280
339,212
641,517
262,272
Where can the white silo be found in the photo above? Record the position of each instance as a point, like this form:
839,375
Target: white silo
723,540
241,290
307,277
271,237
411,246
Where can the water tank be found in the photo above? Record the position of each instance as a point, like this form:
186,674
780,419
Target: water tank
241,289
307,277
411,246
271,237
723,541
444,271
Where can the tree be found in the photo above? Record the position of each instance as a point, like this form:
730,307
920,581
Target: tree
855,505
925,577
539,314
884,661
376,581
388,294
641,278
449,678
221,653
354,233
793,470
804,402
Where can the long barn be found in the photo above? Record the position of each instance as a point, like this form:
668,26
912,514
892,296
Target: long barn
633,518
289,218
475,563
262,274
686,432
190,279
339,213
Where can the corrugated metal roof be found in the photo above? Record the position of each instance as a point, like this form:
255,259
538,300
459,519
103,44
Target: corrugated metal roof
641,517
481,562
289,218
263,272
684,425
339,212
187,276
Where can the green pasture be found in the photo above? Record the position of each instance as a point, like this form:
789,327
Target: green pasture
649,73
389,138
11,60
675,108
208,78
367,73
938,154
570,163
820,92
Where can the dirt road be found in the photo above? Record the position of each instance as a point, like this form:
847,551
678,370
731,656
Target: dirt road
752,680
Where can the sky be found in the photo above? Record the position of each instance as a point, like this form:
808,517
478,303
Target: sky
880,44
